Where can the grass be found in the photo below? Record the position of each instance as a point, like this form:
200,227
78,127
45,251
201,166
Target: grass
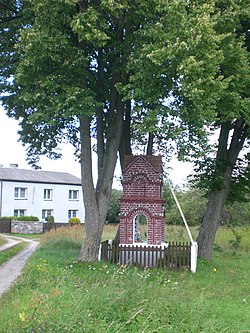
11,252
29,236
2,241
58,294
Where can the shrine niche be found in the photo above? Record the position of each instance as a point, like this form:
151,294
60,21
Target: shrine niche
142,219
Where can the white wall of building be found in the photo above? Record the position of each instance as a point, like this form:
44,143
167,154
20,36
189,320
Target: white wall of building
35,203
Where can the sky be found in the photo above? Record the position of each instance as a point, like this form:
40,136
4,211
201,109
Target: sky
12,152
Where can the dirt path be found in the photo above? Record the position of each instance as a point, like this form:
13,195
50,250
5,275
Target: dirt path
12,268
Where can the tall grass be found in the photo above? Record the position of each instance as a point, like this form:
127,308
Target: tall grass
225,238
58,294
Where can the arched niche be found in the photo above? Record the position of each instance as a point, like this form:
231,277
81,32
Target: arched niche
140,229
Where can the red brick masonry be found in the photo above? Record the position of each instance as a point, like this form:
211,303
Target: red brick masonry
142,195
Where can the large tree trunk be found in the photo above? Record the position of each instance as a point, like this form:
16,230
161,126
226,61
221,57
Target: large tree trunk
109,131
229,147
210,222
92,230
96,200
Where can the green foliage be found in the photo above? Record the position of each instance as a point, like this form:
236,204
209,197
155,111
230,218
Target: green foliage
75,220
192,202
237,214
114,207
50,219
26,218
6,218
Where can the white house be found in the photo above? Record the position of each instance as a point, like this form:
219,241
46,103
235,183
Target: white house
40,193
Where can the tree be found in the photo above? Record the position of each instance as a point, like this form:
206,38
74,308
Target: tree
160,71
192,202
204,56
233,120
62,72
114,207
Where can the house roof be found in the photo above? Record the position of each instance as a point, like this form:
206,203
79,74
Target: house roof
38,176
155,161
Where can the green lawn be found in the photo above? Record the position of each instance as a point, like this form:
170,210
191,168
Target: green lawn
57,294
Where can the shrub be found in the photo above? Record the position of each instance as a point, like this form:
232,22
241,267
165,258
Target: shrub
25,218
50,219
114,207
74,220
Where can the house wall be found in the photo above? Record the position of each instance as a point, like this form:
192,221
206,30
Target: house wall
35,203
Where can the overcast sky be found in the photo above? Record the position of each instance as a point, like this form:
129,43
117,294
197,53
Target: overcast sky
12,152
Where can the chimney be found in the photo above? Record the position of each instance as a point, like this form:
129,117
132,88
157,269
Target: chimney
14,165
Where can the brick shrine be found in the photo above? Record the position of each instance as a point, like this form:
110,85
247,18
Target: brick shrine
142,200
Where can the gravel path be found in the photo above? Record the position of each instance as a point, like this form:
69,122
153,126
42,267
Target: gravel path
12,268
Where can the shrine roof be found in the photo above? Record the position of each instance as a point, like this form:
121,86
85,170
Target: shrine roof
155,161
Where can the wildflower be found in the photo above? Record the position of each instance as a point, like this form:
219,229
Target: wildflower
215,270
22,316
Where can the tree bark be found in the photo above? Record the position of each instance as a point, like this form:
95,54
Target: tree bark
92,228
150,143
211,221
125,145
229,148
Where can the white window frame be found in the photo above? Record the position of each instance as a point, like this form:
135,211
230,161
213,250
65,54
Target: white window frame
20,193
46,213
48,194
73,195
73,213
20,212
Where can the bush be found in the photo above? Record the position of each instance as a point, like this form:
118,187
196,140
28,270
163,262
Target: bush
74,220
50,219
114,207
25,218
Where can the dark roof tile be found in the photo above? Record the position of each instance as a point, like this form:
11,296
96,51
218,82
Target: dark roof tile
38,176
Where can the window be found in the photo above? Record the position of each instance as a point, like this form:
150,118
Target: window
19,212
73,194
47,194
20,193
72,213
46,213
